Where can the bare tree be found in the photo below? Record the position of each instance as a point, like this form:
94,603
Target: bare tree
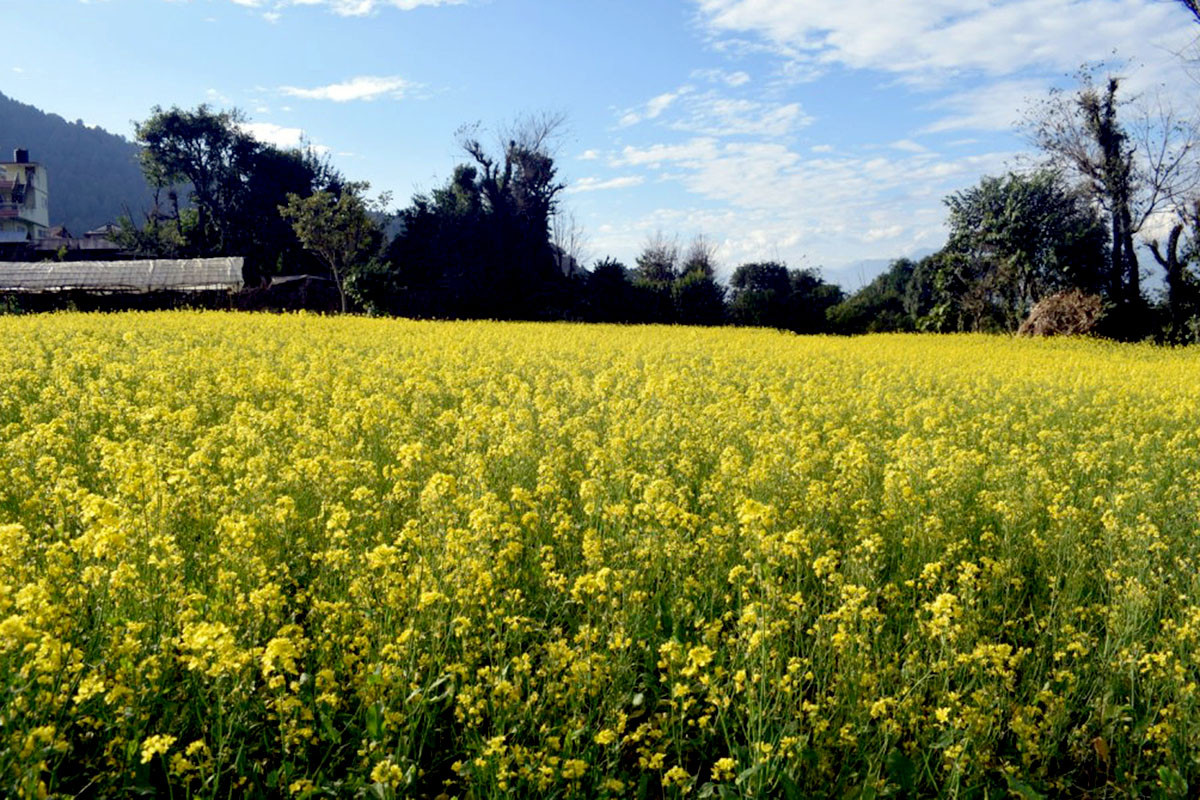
659,260
522,182
1136,161
570,241
701,256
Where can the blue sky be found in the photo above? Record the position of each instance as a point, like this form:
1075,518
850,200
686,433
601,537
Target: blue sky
819,132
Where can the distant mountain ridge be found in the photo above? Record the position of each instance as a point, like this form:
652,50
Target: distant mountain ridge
94,175
857,274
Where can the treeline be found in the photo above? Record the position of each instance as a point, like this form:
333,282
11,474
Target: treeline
489,242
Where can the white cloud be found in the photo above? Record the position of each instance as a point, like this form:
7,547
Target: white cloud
909,146
994,106
732,79
272,16
588,155
281,136
878,234
653,108
711,113
767,200
364,87
935,40
694,151
598,184
352,8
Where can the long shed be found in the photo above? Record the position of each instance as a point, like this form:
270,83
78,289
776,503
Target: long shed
123,277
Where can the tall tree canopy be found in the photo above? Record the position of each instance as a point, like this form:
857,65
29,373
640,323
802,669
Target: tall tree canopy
234,183
481,244
769,294
1014,240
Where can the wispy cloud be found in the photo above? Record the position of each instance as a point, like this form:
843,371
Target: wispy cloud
994,106
909,146
936,40
349,8
653,108
344,8
714,113
767,200
364,87
732,79
601,184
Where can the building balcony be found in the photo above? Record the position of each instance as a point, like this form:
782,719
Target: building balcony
9,210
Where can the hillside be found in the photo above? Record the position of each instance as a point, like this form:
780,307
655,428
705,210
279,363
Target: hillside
94,175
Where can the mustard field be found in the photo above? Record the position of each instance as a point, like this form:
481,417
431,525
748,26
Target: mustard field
340,557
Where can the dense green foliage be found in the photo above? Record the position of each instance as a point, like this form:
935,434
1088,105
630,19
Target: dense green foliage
338,229
233,184
1013,241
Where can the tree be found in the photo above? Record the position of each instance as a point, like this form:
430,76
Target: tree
481,246
654,277
609,292
569,241
203,149
1177,258
759,294
701,257
338,228
659,260
809,301
698,299
234,185
1134,168
1014,240
769,294
884,304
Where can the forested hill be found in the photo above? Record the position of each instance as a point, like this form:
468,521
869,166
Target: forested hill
94,175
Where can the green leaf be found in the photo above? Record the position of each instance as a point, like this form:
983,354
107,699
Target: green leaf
901,770
374,722
791,789
1172,782
1022,789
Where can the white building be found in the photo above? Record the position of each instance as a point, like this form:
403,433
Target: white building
24,199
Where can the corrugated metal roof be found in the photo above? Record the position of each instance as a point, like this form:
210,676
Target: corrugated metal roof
180,275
